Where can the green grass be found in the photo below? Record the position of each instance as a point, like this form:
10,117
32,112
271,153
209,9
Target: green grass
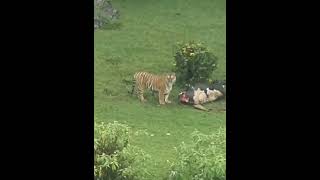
143,40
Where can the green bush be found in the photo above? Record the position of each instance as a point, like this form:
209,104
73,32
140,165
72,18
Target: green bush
193,63
104,13
203,159
114,157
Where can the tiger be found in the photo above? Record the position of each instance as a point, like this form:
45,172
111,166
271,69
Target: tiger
159,83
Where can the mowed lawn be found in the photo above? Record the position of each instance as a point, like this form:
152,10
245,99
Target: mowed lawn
143,41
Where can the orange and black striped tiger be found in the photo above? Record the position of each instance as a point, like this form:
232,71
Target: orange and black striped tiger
160,83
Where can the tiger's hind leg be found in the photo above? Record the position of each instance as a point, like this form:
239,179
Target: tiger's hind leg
140,96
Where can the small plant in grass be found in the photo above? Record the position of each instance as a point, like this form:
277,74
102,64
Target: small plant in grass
104,13
193,63
203,159
114,157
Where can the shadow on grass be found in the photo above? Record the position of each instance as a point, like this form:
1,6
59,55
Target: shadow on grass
112,26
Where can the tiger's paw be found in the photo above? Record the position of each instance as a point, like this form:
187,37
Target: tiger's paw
168,102
144,100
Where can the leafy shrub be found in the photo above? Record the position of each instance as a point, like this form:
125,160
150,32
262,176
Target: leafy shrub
114,157
203,159
193,63
104,13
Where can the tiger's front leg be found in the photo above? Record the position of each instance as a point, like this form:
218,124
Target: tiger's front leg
166,98
161,98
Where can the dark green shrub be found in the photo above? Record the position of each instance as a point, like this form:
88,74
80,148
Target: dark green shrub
193,63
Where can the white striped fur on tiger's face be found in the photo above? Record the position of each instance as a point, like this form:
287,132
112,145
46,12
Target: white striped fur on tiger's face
160,83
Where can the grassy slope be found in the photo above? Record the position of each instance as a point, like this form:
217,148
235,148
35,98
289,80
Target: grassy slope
144,41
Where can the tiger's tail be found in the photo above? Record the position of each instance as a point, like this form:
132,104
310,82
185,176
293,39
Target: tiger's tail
133,86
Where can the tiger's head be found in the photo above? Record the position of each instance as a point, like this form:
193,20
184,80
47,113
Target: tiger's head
171,78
